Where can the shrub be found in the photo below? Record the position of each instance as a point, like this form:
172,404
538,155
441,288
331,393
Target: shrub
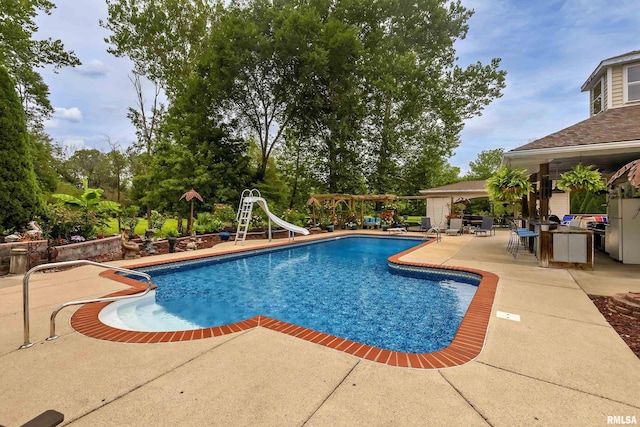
208,223
129,218
156,221
224,213
293,216
61,222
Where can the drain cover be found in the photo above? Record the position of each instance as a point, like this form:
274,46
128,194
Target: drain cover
508,316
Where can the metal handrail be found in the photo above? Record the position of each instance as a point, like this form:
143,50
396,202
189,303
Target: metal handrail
52,328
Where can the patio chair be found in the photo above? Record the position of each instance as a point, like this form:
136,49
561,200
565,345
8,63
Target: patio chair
455,227
520,236
486,226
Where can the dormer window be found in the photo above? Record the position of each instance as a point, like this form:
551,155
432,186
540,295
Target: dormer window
632,92
596,98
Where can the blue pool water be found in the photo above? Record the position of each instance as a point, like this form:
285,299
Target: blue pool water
342,287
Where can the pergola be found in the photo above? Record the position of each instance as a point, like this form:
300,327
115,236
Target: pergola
352,202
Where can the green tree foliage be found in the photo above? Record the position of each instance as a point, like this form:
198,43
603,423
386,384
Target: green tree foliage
587,202
487,163
163,38
256,61
22,55
197,151
19,193
417,97
43,156
351,95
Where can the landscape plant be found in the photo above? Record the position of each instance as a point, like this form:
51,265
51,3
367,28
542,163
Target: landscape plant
507,186
208,223
582,178
156,221
90,205
224,213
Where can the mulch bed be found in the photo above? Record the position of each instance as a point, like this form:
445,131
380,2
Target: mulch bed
627,327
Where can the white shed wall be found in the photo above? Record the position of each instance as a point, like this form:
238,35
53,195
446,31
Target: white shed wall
437,210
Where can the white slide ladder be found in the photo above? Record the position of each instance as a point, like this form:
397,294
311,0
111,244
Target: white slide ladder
247,199
244,213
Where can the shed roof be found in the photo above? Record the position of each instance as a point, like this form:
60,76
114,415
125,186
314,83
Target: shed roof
464,188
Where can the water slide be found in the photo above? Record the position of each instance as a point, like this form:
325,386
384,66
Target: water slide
276,220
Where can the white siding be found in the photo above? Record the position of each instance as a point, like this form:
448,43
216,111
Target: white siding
559,204
437,210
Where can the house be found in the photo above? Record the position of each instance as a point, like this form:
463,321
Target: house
608,139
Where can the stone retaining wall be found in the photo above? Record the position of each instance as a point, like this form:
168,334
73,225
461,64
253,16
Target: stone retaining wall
89,249
108,249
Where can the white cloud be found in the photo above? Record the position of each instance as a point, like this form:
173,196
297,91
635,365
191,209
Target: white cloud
92,69
72,114
74,143
51,124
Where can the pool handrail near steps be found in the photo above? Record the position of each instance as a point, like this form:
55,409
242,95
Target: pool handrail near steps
52,327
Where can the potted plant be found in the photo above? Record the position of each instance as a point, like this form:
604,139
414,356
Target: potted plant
172,238
582,178
507,186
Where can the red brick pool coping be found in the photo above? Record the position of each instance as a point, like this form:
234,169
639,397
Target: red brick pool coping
465,346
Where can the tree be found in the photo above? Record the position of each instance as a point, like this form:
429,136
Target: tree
257,61
147,121
22,55
486,164
196,150
19,193
43,155
415,91
163,38
90,200
90,163
93,211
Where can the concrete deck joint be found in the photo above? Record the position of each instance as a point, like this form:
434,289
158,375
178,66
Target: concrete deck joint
542,380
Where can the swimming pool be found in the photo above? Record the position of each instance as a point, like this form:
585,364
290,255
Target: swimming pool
341,287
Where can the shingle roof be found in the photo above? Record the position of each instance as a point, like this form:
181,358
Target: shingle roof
612,125
460,186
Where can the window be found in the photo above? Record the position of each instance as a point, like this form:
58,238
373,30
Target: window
596,98
633,83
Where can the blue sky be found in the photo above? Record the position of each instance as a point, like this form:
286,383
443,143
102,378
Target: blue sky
548,49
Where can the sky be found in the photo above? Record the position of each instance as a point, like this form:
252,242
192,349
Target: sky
548,49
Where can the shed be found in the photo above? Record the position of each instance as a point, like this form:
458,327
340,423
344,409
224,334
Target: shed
441,199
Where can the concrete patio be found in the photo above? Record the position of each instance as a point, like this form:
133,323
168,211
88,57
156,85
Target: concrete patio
561,364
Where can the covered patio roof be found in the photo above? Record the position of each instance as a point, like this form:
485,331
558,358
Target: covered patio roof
609,140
